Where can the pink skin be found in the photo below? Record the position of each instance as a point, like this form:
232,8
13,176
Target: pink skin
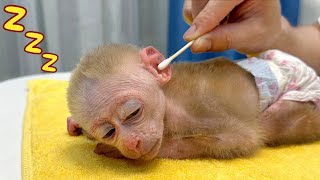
151,58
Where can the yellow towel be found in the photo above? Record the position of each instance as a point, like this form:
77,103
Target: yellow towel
50,153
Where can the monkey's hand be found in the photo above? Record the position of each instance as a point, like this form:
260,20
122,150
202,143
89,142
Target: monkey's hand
109,151
73,128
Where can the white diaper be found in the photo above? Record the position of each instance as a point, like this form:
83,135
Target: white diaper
282,76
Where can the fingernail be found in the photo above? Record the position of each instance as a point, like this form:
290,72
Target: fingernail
190,34
202,45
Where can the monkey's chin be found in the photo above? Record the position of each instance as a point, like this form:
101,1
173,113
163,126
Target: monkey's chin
153,152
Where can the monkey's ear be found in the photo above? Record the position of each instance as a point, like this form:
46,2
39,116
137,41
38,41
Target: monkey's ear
151,58
73,128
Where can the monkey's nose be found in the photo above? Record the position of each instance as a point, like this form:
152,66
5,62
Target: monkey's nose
132,144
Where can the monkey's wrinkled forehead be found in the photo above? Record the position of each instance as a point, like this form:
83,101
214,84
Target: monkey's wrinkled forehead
94,93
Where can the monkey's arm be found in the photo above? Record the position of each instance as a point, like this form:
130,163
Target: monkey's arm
236,139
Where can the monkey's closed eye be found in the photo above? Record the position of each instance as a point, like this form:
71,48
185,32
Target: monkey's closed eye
133,114
110,133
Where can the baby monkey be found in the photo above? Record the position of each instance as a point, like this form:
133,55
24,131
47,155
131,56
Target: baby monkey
216,108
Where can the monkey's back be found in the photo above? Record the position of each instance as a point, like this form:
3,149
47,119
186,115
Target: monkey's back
213,85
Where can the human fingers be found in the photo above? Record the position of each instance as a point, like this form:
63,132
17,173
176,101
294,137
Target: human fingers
208,18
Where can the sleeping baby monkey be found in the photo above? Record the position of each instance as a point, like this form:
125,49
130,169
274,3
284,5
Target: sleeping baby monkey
215,108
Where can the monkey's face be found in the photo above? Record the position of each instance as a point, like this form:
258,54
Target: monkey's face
126,107
130,108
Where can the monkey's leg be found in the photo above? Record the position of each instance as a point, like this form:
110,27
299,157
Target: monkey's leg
287,122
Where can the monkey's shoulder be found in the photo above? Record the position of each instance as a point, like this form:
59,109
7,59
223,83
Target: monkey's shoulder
216,69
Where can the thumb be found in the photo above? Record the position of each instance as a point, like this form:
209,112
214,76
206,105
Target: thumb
212,14
240,36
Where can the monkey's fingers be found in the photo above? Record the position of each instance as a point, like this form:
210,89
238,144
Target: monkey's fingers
73,128
109,151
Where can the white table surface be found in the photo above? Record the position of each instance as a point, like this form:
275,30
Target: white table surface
13,95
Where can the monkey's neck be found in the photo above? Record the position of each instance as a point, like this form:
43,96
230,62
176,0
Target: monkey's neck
182,94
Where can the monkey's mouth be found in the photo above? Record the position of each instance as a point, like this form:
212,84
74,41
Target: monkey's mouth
153,151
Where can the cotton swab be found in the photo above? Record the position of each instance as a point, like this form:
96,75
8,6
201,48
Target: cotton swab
166,62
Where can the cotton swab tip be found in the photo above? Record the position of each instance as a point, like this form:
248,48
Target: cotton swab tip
163,64
166,62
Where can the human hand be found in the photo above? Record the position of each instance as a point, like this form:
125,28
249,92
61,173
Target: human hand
249,26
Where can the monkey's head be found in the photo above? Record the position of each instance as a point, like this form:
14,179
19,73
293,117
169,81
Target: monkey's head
115,95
